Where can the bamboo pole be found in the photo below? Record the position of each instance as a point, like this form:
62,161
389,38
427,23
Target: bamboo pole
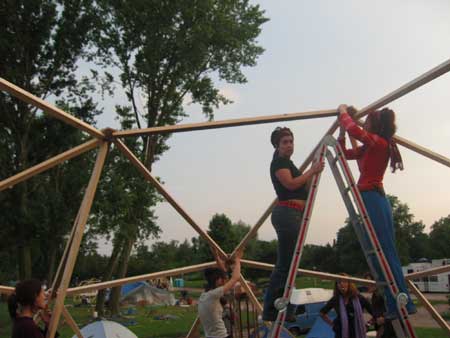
194,332
49,108
403,90
73,325
226,123
433,271
441,321
73,252
149,177
50,163
153,275
322,275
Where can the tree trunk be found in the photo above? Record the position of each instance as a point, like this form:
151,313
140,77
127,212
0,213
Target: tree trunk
122,272
51,263
110,268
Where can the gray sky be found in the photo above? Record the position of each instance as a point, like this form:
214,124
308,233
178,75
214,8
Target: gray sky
318,54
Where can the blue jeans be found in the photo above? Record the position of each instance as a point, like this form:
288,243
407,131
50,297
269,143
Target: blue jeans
380,213
286,222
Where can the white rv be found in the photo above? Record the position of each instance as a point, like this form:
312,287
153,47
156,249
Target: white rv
434,283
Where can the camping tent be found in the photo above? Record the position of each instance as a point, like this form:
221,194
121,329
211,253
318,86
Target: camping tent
142,292
106,329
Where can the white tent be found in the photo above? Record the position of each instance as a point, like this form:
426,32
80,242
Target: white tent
106,329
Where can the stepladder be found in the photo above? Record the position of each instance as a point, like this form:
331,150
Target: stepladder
282,303
366,234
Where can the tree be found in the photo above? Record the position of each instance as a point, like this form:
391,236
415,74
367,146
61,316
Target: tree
166,50
40,44
440,238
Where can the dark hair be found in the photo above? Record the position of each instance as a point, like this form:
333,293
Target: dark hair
211,276
382,122
25,294
278,133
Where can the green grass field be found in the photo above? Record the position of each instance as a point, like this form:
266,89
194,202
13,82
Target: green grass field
144,324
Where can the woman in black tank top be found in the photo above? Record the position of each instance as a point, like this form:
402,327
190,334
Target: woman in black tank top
290,186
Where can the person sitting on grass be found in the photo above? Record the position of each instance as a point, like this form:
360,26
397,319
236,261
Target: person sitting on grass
210,309
28,298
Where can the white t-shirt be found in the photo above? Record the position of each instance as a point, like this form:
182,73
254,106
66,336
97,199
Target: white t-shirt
210,312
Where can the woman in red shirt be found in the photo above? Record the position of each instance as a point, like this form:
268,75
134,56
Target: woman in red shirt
373,157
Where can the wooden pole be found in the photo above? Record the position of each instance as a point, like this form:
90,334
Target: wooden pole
153,275
149,177
226,123
73,252
423,151
429,272
50,163
322,275
6,290
48,108
73,325
194,332
403,90
442,323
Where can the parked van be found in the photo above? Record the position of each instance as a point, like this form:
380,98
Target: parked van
308,303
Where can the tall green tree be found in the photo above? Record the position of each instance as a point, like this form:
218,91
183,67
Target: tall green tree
41,42
167,51
440,238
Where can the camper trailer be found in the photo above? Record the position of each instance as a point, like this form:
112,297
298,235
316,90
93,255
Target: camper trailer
434,283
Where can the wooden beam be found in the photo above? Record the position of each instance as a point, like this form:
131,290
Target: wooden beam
403,90
6,290
429,272
50,163
153,275
418,149
441,321
322,275
76,241
226,123
194,332
73,325
48,108
149,177
422,150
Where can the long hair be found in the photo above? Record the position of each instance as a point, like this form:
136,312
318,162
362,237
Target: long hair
382,123
352,291
25,294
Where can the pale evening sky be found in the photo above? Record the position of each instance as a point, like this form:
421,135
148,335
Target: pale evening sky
318,54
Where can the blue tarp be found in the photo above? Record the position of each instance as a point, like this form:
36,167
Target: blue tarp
127,288
321,329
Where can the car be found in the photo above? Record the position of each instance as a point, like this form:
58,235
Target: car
308,303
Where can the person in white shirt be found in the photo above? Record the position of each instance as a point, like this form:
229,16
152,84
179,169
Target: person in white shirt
210,310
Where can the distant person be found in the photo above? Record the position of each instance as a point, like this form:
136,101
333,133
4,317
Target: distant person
28,298
210,309
291,188
378,148
348,304
382,325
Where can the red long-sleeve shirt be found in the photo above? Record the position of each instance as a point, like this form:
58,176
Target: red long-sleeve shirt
372,156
